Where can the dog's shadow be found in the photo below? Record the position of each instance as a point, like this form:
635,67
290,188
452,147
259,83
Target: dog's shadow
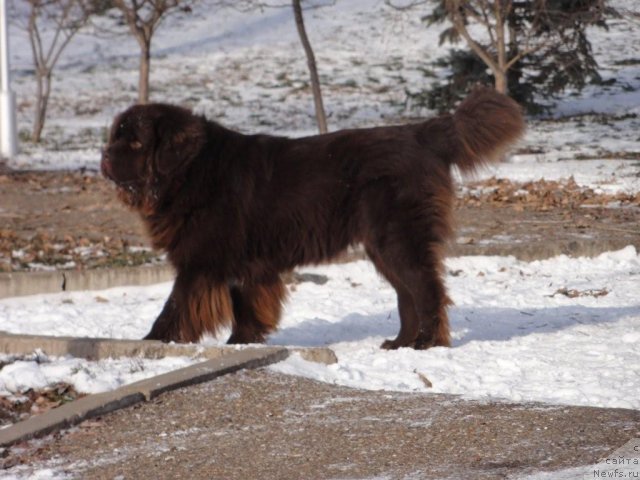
467,324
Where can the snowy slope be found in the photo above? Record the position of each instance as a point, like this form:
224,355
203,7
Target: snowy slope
247,70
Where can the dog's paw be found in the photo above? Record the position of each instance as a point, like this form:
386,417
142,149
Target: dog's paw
166,336
393,345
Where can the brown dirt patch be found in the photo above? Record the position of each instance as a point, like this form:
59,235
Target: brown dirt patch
73,220
18,407
66,220
544,218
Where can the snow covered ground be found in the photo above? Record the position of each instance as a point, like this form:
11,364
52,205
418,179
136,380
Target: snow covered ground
516,336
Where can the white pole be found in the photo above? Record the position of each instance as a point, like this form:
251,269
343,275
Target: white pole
8,141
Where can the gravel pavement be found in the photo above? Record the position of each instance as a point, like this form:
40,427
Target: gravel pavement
263,425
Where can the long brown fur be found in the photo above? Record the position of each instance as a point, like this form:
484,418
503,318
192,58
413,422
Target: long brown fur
235,211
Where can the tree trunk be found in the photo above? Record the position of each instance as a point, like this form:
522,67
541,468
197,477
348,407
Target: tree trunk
313,71
500,81
515,71
43,91
143,80
501,48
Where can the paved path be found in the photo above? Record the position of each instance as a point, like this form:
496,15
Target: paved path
262,425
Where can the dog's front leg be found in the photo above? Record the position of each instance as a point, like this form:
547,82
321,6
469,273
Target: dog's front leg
166,326
196,306
256,310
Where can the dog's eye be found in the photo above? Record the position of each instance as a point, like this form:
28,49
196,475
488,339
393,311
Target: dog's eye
135,145
120,131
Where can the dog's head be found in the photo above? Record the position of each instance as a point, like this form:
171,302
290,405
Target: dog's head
150,148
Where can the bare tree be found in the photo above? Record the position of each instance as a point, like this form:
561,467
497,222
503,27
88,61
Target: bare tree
143,17
50,25
492,15
512,30
316,89
321,116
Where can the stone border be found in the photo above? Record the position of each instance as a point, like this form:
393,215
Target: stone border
99,348
220,361
17,284
92,406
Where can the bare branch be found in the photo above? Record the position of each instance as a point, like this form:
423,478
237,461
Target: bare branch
408,6
62,19
311,63
459,24
630,15
525,52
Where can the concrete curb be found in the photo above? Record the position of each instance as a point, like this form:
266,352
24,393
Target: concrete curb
92,406
539,251
17,284
99,348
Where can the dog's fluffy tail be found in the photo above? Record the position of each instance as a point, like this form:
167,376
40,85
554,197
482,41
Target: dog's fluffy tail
483,127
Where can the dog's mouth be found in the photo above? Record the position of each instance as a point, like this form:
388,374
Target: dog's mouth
106,167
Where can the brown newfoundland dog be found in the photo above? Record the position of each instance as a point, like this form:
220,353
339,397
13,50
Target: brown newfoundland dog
234,211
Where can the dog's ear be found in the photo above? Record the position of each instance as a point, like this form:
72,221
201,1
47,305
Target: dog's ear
180,139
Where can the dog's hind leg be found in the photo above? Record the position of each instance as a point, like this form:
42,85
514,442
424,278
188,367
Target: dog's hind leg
422,298
431,301
256,310
409,320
